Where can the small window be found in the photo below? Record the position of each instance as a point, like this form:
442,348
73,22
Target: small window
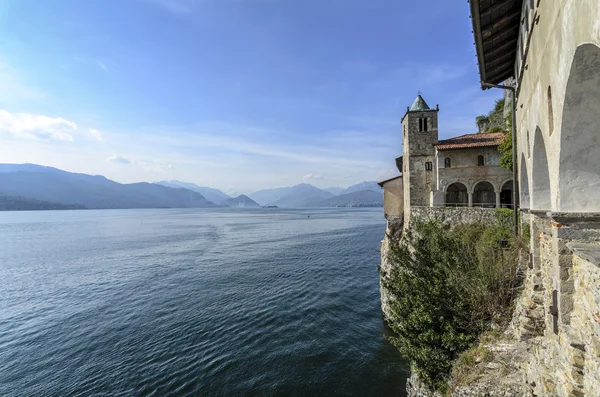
425,122
428,166
420,124
480,160
447,162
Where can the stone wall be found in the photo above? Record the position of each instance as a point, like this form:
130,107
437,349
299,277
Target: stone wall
453,216
393,198
558,313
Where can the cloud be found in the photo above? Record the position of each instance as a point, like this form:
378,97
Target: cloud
115,158
156,166
34,126
313,177
102,66
97,134
149,165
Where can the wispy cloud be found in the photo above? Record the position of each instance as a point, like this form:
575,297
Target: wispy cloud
115,158
102,66
148,165
96,134
313,177
35,126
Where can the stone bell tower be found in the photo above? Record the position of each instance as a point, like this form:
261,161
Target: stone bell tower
419,135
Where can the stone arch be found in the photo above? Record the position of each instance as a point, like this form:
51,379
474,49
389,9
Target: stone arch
484,194
540,175
457,195
524,183
579,171
506,194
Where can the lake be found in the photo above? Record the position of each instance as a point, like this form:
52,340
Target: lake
194,302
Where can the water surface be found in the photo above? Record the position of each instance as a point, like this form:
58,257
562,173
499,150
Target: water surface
193,303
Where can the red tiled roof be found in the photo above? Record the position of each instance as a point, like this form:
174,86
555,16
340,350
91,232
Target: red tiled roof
471,140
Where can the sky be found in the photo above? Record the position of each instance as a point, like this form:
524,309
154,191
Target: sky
238,95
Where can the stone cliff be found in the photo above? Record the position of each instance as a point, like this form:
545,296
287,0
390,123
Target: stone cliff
552,346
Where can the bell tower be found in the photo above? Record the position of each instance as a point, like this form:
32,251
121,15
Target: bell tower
419,135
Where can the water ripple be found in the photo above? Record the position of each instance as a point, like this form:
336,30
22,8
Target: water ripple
193,303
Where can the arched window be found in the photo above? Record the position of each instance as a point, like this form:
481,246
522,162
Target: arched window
480,160
423,124
447,162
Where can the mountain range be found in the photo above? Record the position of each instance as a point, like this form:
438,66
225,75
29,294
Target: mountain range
241,201
214,195
92,191
31,186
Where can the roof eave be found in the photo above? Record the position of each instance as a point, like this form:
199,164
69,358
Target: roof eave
388,180
475,19
463,148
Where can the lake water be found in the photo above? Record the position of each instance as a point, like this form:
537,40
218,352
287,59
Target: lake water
194,303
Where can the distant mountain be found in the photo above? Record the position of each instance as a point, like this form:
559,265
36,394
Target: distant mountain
54,185
214,195
334,190
267,196
15,203
367,185
301,196
361,198
241,201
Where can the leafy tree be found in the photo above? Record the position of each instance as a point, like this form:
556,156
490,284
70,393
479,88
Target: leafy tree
446,288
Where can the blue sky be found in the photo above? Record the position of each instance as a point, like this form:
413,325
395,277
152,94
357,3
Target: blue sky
234,94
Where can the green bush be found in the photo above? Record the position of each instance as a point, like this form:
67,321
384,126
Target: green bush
449,286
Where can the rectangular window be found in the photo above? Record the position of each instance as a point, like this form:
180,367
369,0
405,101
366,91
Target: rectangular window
428,166
420,124
425,122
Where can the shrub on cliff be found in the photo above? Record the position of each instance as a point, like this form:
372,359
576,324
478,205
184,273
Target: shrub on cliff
448,286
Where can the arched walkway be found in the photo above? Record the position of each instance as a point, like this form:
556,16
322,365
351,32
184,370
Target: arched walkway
457,195
540,177
579,172
484,195
524,183
506,195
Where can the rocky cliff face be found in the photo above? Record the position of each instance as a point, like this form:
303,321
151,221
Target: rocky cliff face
552,346
392,233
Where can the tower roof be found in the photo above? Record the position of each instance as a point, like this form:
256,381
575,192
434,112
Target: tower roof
419,104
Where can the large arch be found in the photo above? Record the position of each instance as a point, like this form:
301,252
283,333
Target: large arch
457,195
484,194
540,176
506,194
579,166
524,183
